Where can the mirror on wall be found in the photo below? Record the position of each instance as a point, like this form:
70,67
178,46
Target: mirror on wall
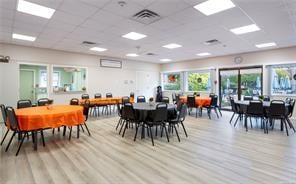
33,82
68,79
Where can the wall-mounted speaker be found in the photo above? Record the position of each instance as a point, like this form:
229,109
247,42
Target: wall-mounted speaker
4,59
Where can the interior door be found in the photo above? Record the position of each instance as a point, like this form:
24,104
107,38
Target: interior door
27,85
146,82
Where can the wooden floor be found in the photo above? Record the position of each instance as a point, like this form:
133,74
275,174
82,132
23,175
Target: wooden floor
214,152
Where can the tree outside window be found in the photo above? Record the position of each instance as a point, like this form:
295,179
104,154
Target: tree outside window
199,81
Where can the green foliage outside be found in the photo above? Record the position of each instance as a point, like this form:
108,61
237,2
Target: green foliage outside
195,85
282,73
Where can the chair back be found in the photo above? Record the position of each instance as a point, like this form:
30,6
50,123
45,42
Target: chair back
24,104
183,112
288,100
165,99
177,98
255,108
128,111
291,107
3,112
161,113
233,105
43,102
196,94
174,97
86,109
248,98
125,100
266,98
84,96
191,101
74,101
11,117
132,95
119,109
98,95
109,95
141,99
277,108
211,95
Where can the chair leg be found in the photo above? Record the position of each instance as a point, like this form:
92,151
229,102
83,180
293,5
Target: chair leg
286,126
156,127
119,122
209,113
177,133
82,128
166,133
246,123
126,125
70,134
86,127
42,136
238,117
231,117
220,111
78,130
10,141
151,135
215,109
161,130
137,127
290,124
4,136
18,150
53,131
184,129
123,123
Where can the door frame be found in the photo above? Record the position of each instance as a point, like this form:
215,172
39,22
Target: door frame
34,82
238,81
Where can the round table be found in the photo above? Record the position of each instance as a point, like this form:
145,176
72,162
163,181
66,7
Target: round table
246,103
35,118
144,108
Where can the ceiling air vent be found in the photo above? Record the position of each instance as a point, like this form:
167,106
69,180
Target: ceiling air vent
146,17
88,43
212,42
150,54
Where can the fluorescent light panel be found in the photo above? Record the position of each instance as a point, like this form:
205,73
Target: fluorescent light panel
35,9
204,54
172,46
211,7
132,55
264,45
134,36
165,60
245,29
98,49
23,37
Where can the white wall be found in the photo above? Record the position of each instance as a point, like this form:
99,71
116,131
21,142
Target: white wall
101,80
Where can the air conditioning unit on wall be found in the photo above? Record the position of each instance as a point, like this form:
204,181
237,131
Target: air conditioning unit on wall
4,59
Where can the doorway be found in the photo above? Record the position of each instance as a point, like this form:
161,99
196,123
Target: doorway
239,82
27,84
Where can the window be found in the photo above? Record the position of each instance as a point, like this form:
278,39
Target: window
171,81
43,79
199,81
283,79
56,79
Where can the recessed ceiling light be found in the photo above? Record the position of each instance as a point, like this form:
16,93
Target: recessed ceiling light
23,37
132,55
98,49
165,60
204,54
172,46
34,9
211,7
263,45
134,36
245,29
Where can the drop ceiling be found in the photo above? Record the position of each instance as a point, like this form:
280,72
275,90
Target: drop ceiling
105,21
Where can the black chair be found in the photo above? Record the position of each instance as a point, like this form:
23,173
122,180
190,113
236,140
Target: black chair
119,111
4,117
277,111
84,96
43,102
254,109
266,98
191,104
74,101
212,95
125,100
196,94
86,107
14,126
109,95
289,113
181,115
288,100
177,98
158,118
248,98
98,95
128,115
237,110
213,106
132,95
174,98
165,99
141,99
24,104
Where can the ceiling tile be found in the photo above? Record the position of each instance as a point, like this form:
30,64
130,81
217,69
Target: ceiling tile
77,8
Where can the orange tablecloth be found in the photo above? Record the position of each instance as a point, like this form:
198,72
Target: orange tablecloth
40,117
201,101
105,101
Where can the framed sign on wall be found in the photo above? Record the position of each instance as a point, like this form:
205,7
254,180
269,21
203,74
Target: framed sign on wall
110,63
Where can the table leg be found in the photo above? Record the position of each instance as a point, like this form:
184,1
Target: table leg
34,133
